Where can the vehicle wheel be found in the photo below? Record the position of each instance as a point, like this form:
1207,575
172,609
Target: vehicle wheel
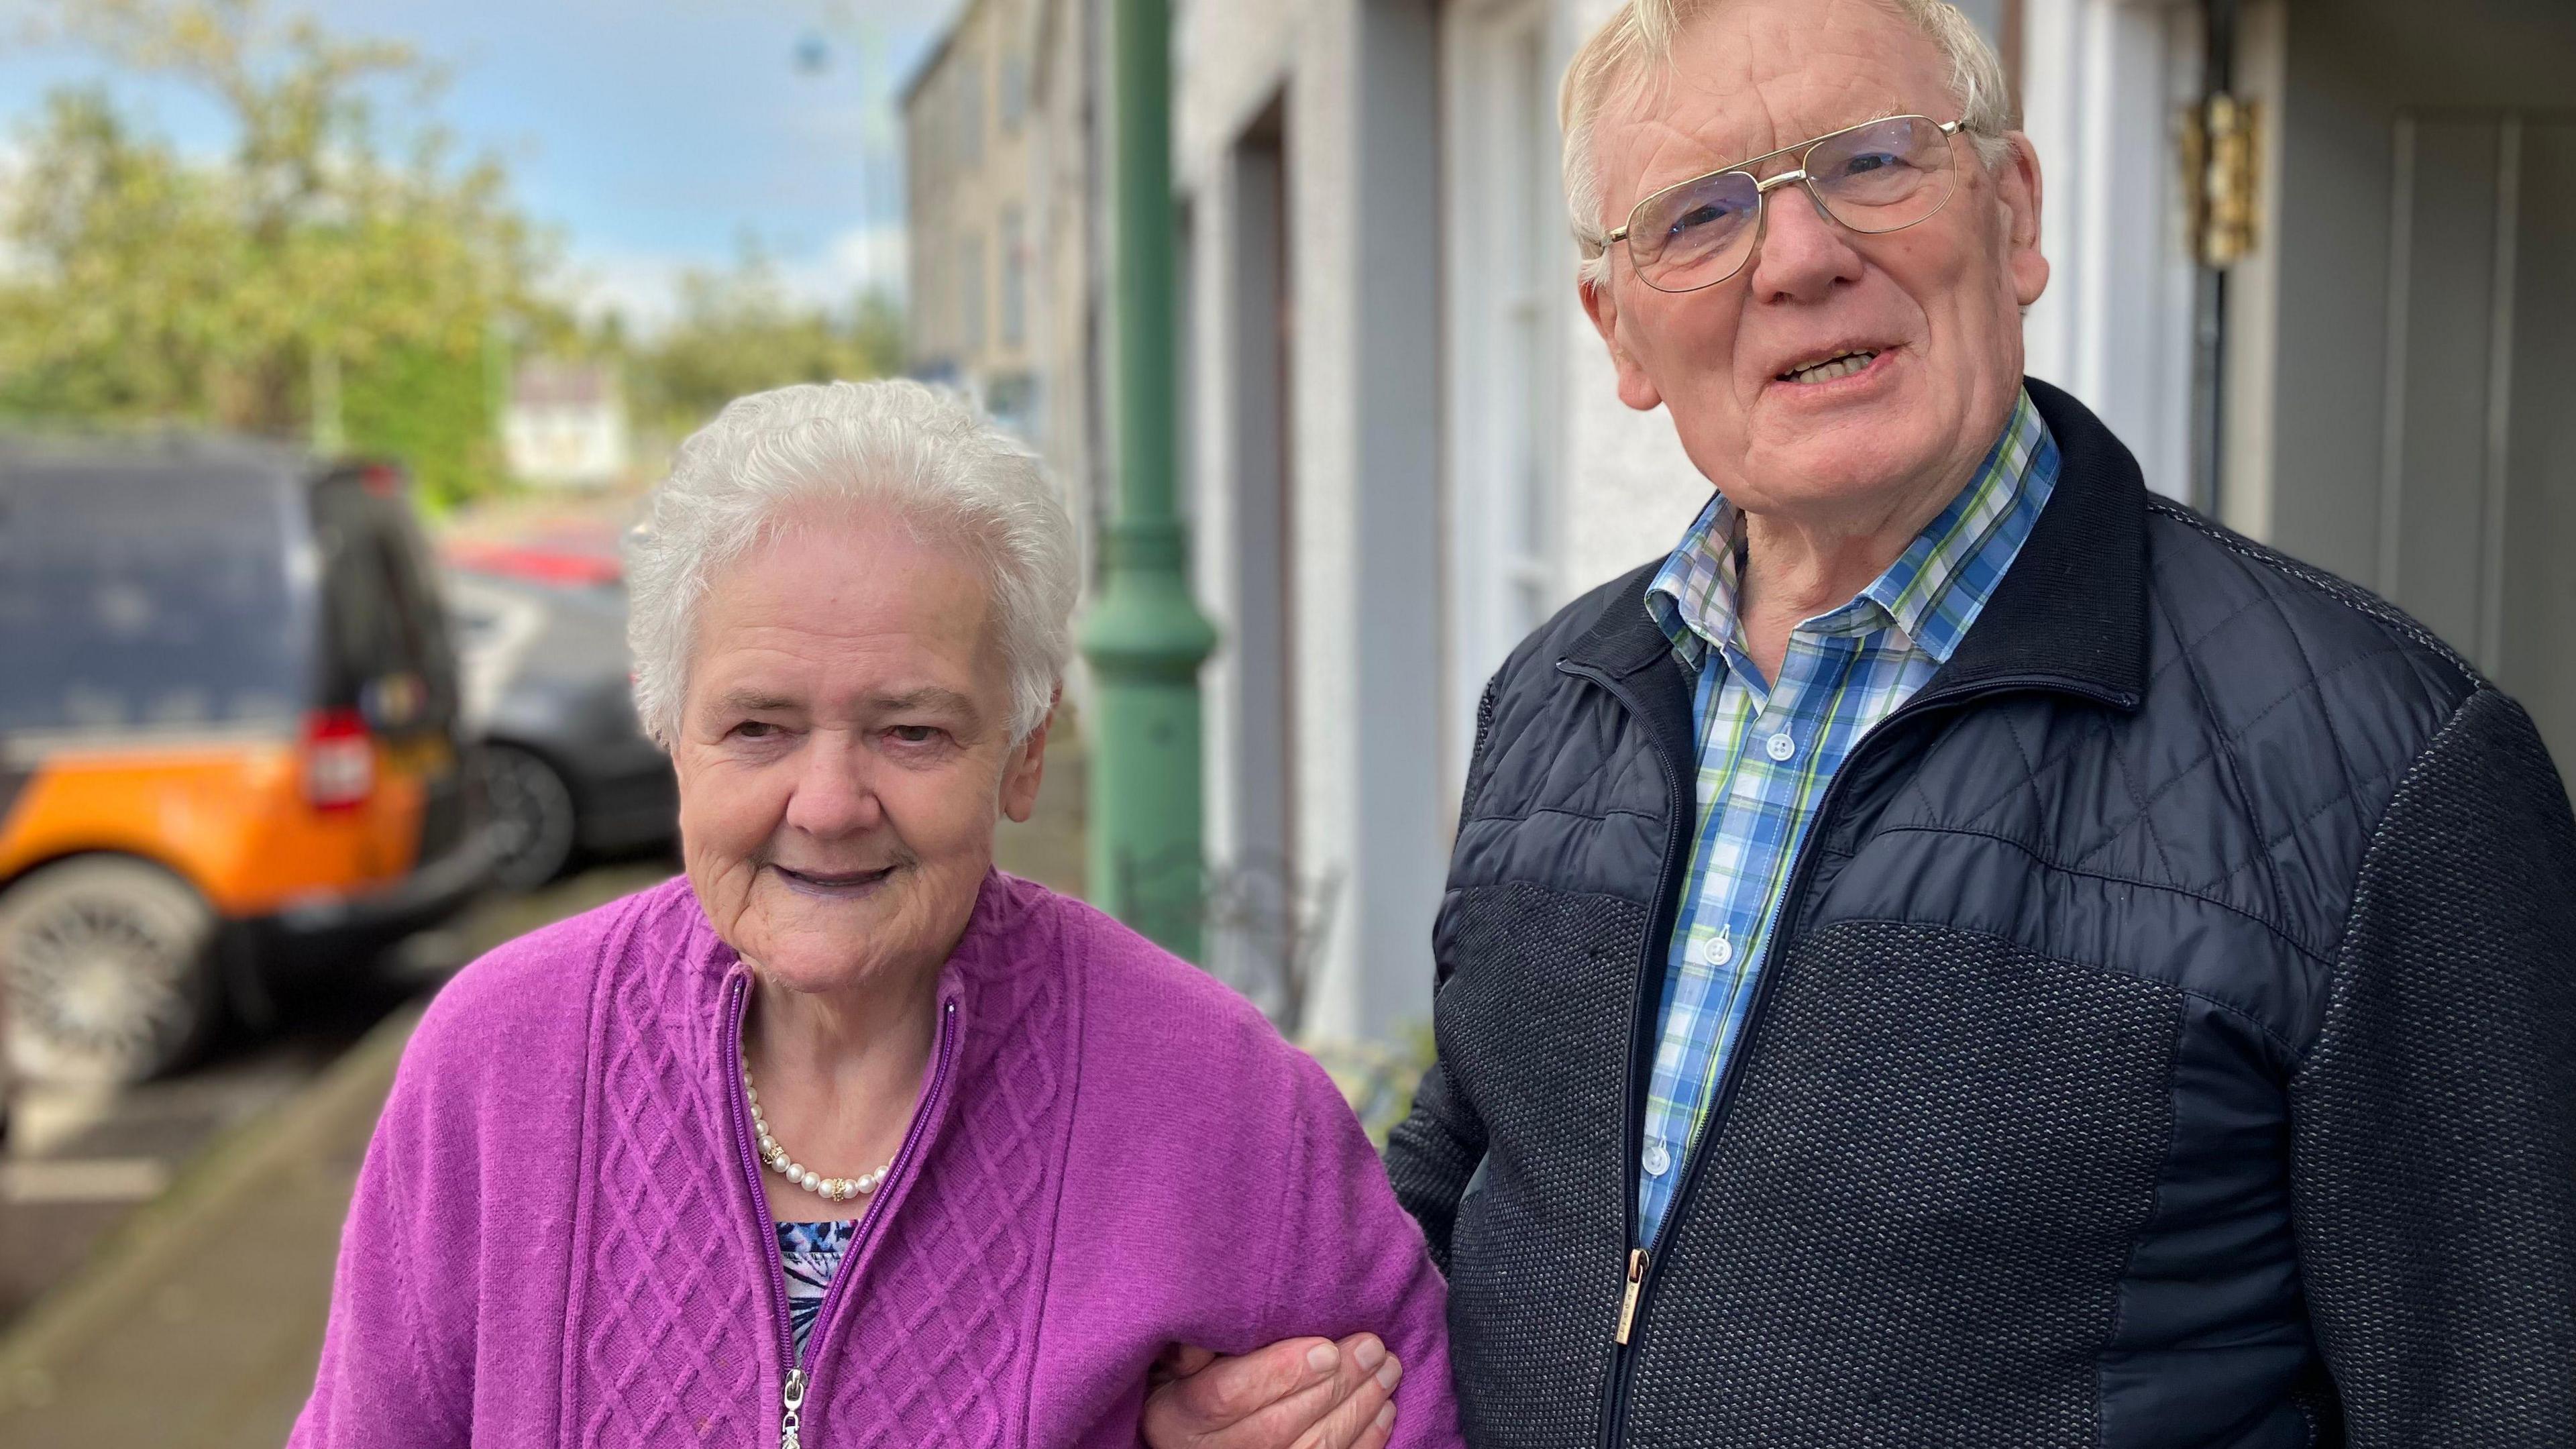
532,815
109,966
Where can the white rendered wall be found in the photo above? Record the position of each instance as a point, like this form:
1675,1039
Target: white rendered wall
1368,823
1632,489
2103,86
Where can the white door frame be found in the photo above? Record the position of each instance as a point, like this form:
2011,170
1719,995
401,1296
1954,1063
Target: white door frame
1507,289
2104,84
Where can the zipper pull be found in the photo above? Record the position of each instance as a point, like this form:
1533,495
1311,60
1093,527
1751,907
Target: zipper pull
1628,1302
790,1422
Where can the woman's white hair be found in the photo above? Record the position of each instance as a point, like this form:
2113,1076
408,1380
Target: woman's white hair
1640,34
773,458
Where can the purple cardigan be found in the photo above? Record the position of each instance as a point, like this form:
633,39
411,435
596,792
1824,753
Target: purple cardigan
556,1238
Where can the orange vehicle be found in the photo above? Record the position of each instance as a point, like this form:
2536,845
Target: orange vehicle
228,741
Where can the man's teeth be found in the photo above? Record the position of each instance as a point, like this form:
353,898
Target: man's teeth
1827,371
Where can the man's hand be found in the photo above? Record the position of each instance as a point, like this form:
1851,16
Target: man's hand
1304,1393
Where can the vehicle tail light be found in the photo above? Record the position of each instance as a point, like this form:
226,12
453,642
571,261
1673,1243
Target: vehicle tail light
339,760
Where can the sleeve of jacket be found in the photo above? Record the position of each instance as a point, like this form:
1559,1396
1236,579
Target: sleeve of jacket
2433,1137
1432,1154
1353,1260
398,1351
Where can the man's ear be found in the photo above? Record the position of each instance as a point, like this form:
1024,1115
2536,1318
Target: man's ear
2018,186
1636,389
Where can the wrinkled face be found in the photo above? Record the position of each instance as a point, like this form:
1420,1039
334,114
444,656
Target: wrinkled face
844,753
1937,305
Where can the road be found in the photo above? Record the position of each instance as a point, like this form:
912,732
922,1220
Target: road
80,1162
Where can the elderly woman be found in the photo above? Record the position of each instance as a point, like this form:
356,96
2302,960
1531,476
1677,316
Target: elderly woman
846,1138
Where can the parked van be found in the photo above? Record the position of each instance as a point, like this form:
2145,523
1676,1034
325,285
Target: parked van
228,741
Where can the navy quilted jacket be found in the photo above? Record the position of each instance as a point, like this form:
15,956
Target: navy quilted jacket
2169,1038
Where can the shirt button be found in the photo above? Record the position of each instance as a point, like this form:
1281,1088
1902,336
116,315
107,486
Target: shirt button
1720,951
1658,1161
1780,746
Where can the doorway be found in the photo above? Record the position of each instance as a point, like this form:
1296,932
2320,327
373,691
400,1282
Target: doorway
2426,323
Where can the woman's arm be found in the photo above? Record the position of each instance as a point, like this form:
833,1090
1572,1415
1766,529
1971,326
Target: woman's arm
1349,1265
397,1357
1355,1261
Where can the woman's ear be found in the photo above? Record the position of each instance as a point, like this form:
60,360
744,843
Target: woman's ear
1026,768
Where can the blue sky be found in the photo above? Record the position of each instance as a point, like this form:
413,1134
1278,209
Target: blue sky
651,135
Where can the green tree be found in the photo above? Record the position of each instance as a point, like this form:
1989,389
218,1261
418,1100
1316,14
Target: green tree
740,331
338,259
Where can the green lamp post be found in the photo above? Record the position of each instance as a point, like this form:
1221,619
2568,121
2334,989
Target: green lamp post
1144,637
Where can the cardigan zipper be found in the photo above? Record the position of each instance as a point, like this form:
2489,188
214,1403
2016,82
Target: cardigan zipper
1640,1293
799,1384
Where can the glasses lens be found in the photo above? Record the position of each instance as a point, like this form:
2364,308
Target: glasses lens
1697,234
1885,175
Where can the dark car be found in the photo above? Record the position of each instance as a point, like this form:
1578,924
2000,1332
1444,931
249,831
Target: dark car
566,765
229,741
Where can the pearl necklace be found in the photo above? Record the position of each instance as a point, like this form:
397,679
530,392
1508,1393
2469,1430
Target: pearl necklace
775,1158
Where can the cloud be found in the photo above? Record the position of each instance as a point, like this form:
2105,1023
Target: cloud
644,287
869,258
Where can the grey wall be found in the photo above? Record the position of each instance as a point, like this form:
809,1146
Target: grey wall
1397,859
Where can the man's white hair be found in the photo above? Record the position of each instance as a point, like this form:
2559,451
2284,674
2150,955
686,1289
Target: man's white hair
773,459
1640,34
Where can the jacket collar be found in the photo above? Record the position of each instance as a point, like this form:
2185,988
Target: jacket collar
2071,613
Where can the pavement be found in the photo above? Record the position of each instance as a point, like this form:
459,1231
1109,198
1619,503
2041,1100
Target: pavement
196,1320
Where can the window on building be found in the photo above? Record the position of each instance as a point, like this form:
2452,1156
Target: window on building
933,277
1015,91
970,109
1509,257
1011,401
971,284
1015,279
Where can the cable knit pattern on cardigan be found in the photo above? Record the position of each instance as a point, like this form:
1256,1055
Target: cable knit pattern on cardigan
555,1240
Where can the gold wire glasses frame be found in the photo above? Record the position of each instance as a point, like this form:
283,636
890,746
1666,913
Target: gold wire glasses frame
1700,232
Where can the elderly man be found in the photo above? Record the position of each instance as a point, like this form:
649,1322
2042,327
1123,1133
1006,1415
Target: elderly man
1963,951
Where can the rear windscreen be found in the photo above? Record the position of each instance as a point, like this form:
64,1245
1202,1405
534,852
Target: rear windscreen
147,598
382,619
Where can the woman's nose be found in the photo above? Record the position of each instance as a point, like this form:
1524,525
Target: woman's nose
835,791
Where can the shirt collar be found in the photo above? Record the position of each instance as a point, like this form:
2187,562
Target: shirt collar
1933,591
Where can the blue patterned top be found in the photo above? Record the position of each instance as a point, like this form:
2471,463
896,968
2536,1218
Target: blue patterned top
1768,749
811,1253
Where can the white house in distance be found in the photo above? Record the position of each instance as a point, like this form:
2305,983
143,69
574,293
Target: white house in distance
566,425
1405,450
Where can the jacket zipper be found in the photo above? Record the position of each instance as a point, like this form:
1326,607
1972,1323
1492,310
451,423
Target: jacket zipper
1682,807
799,1384
1638,1297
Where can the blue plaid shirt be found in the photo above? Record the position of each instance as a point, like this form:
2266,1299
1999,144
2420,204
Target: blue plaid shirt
1767,751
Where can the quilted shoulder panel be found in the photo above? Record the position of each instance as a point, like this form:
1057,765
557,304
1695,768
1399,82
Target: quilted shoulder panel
2282,707
1565,790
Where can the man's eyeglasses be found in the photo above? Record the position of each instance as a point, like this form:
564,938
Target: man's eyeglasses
1879,176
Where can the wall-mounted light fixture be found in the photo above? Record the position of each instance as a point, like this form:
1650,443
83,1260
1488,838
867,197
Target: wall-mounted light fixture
2218,156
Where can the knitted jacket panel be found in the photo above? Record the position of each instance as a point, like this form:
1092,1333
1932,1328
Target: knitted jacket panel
2168,1039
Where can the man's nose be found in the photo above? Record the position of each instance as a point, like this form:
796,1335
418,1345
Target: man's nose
835,787
1804,252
